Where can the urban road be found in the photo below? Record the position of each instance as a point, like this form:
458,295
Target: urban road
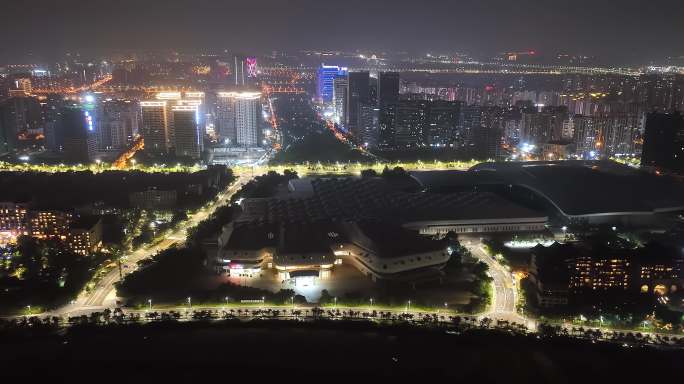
104,295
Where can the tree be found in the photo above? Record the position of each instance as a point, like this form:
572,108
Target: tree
326,297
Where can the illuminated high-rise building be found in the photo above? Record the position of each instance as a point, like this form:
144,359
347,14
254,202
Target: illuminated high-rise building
239,70
189,139
247,119
79,133
154,127
411,119
340,89
238,118
118,122
442,121
171,98
369,125
225,117
325,82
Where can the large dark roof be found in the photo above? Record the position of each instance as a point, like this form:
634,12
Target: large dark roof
341,199
286,237
576,188
390,240
308,237
253,236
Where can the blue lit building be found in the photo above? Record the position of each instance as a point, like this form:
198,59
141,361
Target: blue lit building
326,81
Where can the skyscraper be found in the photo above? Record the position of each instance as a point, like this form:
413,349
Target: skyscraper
118,122
358,93
78,129
154,128
442,122
247,119
340,89
368,125
225,117
238,118
239,70
411,119
54,139
20,115
664,141
171,99
486,142
387,123
8,129
388,88
189,139
325,82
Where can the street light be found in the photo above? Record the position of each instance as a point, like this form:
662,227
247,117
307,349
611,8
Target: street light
149,303
28,307
292,298
226,299
189,302
371,300
408,307
335,302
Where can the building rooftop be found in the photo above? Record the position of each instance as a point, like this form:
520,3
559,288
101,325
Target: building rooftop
575,188
354,199
253,236
85,222
389,240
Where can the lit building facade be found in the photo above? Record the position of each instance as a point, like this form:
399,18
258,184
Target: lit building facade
188,138
154,128
85,236
326,82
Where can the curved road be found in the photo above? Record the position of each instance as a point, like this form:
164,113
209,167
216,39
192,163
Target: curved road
504,295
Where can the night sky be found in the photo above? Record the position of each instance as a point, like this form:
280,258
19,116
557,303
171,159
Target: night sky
618,30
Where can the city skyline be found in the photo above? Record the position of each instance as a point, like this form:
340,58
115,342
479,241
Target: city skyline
501,181
635,32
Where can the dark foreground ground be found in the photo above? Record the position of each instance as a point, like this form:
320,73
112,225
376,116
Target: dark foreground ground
191,352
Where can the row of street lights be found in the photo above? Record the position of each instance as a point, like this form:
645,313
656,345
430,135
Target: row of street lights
263,300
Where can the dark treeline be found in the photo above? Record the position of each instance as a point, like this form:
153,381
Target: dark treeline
369,349
65,190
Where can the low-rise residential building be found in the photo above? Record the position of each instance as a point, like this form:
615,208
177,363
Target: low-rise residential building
49,224
85,235
13,218
561,273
